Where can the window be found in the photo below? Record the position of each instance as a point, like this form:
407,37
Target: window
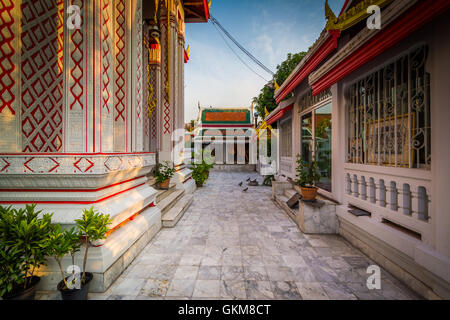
316,142
389,114
286,138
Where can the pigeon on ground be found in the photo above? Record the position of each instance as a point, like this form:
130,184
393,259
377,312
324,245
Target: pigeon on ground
240,184
245,190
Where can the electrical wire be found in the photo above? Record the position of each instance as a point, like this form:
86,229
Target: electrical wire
228,45
259,63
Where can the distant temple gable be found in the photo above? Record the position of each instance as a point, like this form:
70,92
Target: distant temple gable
226,116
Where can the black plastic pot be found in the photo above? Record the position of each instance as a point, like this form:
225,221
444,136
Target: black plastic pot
27,294
76,294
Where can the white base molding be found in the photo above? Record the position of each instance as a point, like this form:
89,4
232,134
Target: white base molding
403,256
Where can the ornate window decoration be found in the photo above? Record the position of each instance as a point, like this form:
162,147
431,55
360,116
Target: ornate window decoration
286,138
308,100
389,114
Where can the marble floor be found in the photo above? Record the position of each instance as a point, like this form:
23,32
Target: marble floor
232,244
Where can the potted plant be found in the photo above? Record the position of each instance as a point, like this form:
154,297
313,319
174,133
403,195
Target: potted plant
23,249
61,243
199,174
92,227
164,172
307,177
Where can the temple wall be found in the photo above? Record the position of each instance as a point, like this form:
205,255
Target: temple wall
424,264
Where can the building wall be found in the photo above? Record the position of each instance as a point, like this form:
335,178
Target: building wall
432,254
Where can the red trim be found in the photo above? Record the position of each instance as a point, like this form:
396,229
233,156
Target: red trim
70,190
205,6
279,115
190,178
414,19
180,169
186,57
77,154
110,231
327,47
72,202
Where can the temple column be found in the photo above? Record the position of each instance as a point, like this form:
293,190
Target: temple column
71,124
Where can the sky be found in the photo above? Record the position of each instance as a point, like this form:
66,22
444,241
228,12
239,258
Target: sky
269,29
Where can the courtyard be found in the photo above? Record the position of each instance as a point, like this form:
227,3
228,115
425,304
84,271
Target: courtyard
235,244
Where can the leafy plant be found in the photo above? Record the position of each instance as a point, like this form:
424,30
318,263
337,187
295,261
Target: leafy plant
93,226
164,171
63,242
199,173
307,173
268,180
23,246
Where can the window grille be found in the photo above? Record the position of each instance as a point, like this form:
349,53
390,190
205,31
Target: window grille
286,138
389,114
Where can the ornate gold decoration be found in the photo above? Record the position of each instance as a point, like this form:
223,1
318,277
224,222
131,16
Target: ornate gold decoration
353,16
155,18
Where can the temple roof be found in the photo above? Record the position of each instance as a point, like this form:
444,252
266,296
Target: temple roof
226,116
196,10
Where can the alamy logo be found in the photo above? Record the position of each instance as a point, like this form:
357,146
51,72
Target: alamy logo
74,280
74,21
374,280
374,21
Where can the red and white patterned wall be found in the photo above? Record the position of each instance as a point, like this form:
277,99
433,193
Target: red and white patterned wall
71,90
41,76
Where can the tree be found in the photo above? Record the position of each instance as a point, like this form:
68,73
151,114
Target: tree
266,96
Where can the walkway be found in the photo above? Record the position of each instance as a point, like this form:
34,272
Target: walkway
232,244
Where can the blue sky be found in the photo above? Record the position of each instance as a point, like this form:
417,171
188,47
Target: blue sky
269,29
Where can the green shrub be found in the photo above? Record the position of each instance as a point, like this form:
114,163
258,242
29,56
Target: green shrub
199,173
164,171
93,226
63,242
307,173
23,246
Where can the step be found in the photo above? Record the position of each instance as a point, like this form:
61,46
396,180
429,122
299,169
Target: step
162,194
170,201
289,193
282,201
171,217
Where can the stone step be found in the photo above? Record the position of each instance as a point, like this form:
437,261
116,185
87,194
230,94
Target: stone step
282,201
162,194
171,217
289,193
170,201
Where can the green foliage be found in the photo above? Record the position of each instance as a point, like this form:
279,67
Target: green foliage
63,242
23,245
265,98
92,226
199,173
307,173
268,180
164,171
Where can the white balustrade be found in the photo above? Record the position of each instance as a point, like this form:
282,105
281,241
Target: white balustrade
400,195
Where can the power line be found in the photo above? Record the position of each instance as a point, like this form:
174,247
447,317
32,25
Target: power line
238,55
259,63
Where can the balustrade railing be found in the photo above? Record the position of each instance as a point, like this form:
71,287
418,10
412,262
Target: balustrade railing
402,196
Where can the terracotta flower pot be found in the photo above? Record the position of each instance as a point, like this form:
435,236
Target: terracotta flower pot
164,185
309,193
